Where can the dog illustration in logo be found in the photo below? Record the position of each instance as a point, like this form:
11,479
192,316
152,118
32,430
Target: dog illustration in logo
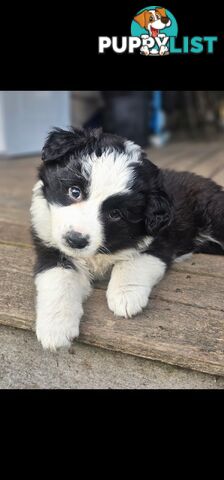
154,21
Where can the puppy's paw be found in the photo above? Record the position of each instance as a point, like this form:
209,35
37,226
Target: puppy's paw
144,50
53,335
163,50
57,331
127,301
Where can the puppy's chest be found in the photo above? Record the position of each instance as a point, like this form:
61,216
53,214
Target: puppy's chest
98,265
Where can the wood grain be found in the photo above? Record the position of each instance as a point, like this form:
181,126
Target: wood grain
182,325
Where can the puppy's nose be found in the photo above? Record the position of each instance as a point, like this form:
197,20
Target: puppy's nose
165,20
77,240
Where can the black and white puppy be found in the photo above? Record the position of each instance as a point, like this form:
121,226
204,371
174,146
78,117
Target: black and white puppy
101,204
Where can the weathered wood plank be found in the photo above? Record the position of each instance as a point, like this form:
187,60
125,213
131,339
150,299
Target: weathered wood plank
177,156
209,265
185,155
13,233
198,291
170,149
19,216
209,166
194,158
16,181
186,338
182,325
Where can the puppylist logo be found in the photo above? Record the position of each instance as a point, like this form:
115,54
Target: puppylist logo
153,32
154,26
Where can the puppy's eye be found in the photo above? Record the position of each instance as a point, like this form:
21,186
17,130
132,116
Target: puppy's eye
75,193
115,214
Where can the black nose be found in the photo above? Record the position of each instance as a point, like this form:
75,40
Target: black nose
76,240
165,20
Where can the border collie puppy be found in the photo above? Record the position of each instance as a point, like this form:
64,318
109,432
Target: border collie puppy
101,205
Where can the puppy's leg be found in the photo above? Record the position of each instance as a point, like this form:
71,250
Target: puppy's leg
60,293
131,283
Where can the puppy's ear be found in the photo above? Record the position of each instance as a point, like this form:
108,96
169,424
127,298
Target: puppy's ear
161,11
59,142
143,19
159,211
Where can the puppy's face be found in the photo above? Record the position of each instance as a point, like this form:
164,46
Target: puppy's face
97,188
153,20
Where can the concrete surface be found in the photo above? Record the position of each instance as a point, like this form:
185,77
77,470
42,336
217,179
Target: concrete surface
24,365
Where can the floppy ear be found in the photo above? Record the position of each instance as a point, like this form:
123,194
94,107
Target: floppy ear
143,19
159,211
161,11
59,142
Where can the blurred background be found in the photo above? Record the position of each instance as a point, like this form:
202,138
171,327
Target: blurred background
150,118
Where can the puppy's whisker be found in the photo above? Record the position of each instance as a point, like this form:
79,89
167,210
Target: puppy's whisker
69,168
132,285
103,249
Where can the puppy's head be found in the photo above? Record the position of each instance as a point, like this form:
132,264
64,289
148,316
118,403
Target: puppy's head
153,20
102,194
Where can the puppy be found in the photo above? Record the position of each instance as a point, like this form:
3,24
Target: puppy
100,205
154,21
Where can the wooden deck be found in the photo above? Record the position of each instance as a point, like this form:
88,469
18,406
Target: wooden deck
184,321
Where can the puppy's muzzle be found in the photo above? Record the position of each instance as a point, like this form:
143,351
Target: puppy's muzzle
77,240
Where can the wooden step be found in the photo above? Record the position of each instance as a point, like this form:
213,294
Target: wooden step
182,325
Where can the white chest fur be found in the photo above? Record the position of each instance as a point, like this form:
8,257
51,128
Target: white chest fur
98,265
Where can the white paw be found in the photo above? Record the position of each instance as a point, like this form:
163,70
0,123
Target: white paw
55,335
163,50
126,301
53,338
144,50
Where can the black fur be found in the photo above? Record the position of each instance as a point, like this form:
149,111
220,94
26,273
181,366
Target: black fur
48,257
60,143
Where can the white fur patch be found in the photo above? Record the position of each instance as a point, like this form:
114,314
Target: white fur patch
60,293
145,242
110,174
131,284
132,149
40,214
99,264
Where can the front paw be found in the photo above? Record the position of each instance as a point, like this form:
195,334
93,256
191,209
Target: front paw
54,337
144,50
163,50
126,301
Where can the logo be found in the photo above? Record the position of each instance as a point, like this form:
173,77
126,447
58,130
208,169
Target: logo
154,32
155,26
